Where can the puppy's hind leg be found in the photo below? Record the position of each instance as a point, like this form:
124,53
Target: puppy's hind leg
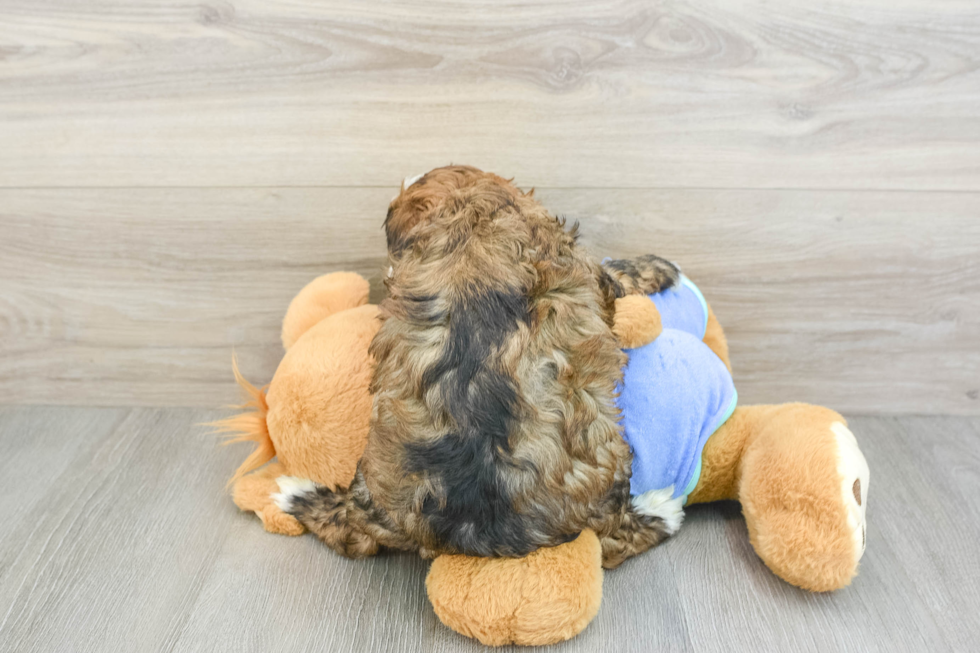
346,520
631,526
643,275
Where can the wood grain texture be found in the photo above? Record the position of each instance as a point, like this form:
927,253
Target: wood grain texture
118,536
172,173
865,301
118,540
620,93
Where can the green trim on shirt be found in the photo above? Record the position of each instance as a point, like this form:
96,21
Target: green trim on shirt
697,470
704,305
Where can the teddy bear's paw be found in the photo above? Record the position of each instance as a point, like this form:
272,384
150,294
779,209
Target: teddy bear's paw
276,521
658,503
853,471
290,488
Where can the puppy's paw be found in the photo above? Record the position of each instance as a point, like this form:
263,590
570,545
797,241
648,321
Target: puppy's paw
292,488
658,503
643,275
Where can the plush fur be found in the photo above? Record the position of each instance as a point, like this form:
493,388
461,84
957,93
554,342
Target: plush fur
494,430
254,492
543,598
714,337
781,462
796,469
314,414
637,321
321,298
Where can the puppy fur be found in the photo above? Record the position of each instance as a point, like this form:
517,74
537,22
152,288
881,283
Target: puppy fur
494,430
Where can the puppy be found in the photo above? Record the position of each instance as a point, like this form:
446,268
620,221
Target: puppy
494,430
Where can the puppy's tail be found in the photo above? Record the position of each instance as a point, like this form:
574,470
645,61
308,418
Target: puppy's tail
248,426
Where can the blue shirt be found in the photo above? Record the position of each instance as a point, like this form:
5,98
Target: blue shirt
674,394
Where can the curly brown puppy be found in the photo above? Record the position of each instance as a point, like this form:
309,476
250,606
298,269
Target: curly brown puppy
494,430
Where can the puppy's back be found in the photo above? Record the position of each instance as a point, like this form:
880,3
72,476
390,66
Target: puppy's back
494,430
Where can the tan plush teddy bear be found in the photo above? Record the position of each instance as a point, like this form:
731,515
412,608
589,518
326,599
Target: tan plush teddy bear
796,468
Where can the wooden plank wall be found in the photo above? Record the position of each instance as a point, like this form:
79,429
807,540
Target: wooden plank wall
171,173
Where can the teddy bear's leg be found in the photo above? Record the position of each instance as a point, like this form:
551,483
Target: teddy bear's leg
714,337
545,597
252,493
321,298
803,483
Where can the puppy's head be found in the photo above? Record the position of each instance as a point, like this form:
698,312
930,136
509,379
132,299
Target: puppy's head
422,197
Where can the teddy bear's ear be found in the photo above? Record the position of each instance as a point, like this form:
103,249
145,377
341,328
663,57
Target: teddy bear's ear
637,321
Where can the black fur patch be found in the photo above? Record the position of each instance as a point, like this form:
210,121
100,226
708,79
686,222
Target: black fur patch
477,327
420,309
476,515
398,240
609,291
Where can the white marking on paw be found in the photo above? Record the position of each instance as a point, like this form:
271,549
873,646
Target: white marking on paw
658,503
852,466
291,487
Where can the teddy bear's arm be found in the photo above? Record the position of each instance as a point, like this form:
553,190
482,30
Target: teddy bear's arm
637,321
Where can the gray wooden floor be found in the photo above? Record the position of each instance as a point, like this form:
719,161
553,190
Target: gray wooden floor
117,536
